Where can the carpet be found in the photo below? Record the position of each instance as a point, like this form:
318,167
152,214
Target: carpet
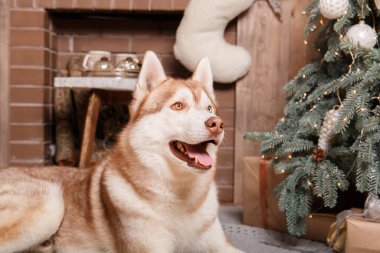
258,240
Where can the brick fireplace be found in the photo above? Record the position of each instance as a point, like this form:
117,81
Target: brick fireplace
45,34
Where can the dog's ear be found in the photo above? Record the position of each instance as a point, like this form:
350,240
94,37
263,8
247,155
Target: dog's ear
203,75
152,73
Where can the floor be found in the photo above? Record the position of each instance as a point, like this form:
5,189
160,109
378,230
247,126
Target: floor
258,240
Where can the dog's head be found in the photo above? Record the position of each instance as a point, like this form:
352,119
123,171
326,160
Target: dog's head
175,119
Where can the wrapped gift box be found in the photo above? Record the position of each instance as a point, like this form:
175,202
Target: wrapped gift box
260,206
362,235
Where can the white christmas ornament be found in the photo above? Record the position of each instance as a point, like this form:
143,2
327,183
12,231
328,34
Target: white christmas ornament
362,34
333,9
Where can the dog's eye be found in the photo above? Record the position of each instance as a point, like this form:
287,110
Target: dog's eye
177,106
209,109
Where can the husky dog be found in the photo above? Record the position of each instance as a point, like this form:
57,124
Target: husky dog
154,192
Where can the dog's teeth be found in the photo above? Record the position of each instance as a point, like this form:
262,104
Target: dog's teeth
180,147
196,160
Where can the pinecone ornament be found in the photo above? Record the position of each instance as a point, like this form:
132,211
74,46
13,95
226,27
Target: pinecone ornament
329,122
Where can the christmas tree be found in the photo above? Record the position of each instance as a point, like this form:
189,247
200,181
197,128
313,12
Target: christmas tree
329,136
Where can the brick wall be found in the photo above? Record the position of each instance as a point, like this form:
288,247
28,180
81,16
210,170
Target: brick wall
46,33
32,67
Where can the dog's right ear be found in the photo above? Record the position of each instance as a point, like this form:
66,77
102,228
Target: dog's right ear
151,75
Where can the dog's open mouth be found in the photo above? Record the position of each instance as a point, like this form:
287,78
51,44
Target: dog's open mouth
194,154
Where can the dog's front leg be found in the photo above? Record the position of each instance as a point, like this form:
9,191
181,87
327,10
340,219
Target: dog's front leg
146,237
151,245
213,240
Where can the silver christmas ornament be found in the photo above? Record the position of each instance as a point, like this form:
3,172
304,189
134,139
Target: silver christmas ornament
333,9
362,34
372,207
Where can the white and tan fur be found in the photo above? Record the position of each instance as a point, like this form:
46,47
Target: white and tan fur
141,198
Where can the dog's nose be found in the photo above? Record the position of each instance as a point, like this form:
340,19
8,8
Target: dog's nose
215,125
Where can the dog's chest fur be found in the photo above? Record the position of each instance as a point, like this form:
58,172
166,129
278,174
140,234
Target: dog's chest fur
107,206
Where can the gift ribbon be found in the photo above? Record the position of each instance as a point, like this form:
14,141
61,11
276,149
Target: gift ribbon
262,190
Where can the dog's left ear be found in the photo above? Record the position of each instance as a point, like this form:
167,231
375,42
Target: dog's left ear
203,75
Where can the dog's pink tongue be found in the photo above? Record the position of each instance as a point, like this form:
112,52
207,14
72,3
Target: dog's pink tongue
200,153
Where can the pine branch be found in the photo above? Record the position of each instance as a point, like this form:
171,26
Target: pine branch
333,48
368,178
270,144
339,151
259,135
372,125
298,145
372,74
304,73
296,205
368,149
348,80
348,108
327,179
314,13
